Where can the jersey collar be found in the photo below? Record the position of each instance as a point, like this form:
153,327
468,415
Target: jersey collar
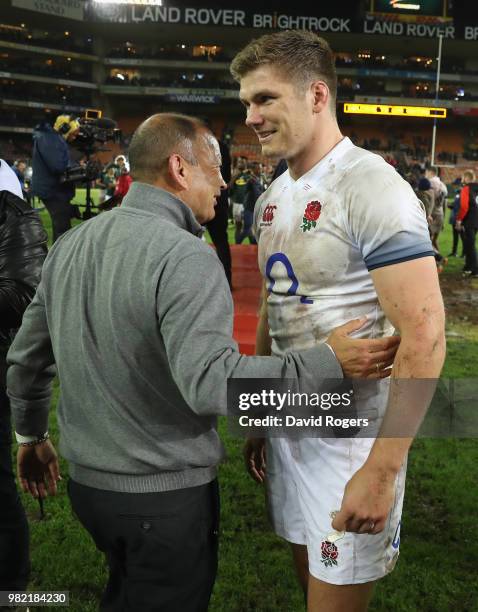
324,166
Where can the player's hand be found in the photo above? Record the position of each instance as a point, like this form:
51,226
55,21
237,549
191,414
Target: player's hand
363,357
255,458
38,469
458,226
367,500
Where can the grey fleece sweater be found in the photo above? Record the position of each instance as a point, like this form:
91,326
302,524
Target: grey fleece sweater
136,312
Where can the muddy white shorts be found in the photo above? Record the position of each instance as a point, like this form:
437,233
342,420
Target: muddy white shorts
305,484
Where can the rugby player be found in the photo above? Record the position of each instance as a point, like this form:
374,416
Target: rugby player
341,235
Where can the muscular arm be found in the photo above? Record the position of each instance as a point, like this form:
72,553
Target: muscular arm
410,296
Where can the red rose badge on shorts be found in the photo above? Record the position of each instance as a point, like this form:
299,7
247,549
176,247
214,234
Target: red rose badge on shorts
311,215
329,553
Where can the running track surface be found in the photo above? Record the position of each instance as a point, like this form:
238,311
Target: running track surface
246,282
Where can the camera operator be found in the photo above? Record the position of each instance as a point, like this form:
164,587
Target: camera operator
22,251
50,160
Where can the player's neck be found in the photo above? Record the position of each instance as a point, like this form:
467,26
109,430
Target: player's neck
323,142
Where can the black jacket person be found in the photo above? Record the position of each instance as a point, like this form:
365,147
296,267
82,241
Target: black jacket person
22,251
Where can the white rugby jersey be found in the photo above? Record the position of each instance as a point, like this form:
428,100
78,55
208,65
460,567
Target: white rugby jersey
320,236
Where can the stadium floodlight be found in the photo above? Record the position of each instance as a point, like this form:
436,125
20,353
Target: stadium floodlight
389,110
143,2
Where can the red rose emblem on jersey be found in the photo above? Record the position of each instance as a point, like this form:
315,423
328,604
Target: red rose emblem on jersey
311,215
329,553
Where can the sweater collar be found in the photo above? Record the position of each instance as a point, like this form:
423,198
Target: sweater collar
162,203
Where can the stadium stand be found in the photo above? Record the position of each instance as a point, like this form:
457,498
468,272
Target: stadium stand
85,63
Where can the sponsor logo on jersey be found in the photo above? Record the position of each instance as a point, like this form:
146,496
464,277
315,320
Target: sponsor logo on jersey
311,215
268,215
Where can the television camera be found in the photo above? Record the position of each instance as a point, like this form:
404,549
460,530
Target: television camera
94,132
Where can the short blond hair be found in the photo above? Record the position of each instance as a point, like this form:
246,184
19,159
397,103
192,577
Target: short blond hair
299,55
469,176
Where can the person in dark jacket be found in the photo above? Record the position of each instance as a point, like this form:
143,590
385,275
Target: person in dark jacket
50,159
454,209
467,222
19,168
279,169
217,227
254,189
22,251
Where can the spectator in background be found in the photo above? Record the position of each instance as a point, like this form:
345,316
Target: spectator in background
237,193
426,195
454,209
50,159
438,212
109,180
22,251
254,188
467,222
434,214
438,186
19,168
106,183
120,164
122,184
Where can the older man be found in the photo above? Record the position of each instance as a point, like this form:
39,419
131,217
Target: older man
136,312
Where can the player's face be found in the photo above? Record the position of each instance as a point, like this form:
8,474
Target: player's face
278,111
205,178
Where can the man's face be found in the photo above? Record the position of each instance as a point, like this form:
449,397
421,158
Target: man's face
278,111
241,164
22,167
206,180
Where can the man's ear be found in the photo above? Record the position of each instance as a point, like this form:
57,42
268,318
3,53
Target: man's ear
320,96
178,171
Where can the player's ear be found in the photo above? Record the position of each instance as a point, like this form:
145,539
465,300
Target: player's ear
320,96
178,171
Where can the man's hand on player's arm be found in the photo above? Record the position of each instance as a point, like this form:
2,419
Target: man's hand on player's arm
409,294
362,357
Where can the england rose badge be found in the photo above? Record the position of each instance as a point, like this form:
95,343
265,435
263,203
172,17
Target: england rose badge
311,215
330,553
